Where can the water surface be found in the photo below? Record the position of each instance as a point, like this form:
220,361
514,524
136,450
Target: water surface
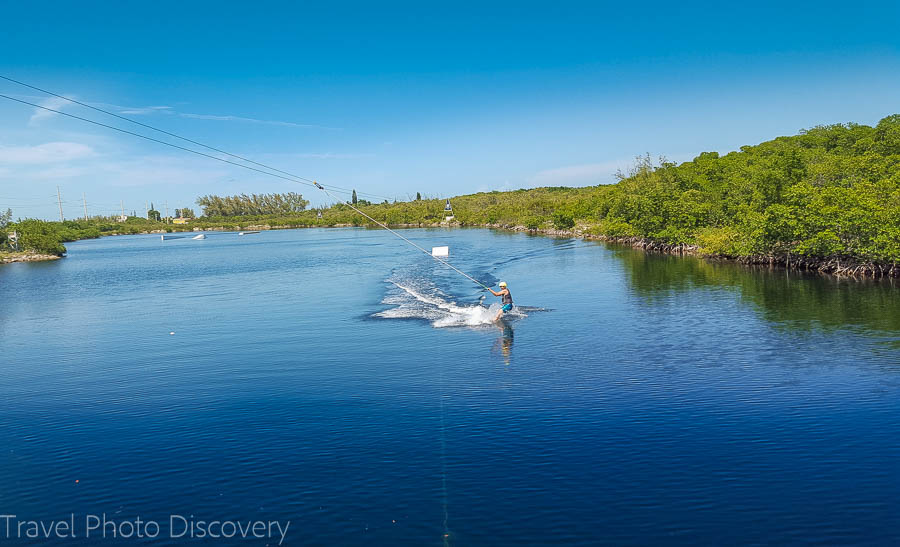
342,381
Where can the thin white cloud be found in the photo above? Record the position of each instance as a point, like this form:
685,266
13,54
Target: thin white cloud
58,172
57,103
506,186
39,114
251,120
148,171
332,155
164,109
159,170
51,152
578,175
144,110
134,110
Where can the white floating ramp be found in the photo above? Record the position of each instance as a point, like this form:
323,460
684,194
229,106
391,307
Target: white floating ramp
200,236
248,233
440,251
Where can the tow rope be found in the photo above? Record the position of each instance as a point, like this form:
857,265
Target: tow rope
444,262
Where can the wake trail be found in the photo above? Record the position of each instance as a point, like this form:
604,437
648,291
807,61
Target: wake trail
418,299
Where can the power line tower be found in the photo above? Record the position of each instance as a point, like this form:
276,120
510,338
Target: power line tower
59,201
84,202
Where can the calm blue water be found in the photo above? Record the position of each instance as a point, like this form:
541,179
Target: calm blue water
340,380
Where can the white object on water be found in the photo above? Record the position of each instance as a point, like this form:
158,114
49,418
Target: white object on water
440,251
201,236
247,233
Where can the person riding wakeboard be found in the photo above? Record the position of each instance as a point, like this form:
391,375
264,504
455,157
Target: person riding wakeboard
506,299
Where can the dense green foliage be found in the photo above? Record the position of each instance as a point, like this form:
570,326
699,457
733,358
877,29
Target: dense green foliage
40,236
254,204
48,237
153,214
829,192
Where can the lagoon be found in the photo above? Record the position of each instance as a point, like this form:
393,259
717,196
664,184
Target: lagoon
339,380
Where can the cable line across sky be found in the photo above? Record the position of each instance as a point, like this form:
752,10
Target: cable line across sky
169,133
271,171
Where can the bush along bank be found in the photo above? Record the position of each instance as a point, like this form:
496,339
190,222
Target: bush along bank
834,265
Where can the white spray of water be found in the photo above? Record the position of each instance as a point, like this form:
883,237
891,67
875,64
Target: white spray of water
413,303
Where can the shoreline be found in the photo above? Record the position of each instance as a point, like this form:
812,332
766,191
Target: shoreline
834,266
25,256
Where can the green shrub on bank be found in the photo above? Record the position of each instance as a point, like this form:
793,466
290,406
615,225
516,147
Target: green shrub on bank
533,223
563,221
611,227
40,237
724,241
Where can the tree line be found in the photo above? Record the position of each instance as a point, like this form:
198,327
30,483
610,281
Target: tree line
252,204
828,192
832,192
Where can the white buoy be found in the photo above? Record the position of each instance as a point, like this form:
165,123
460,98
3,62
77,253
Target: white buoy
440,251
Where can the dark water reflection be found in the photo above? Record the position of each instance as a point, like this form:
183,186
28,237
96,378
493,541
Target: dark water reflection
795,300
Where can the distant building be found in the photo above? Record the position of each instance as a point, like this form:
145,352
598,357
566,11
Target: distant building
180,220
122,218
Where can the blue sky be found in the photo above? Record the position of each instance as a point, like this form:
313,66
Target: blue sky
395,98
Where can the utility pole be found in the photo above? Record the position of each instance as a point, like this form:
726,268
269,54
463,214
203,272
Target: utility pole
122,204
167,211
84,202
147,209
59,201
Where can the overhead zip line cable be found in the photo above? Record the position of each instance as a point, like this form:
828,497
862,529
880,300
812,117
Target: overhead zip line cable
302,180
163,131
210,156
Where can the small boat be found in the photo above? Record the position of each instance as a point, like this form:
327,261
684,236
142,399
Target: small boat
248,233
200,236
